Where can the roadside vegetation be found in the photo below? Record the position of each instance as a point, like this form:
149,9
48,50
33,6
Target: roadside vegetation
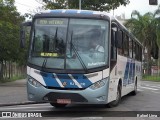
151,78
14,78
146,28
12,57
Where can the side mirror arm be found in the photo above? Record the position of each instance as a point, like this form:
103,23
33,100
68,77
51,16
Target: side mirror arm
22,33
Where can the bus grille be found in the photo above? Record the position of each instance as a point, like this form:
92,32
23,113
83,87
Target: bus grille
60,88
74,97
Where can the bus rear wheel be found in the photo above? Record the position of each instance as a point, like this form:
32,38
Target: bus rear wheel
118,98
56,105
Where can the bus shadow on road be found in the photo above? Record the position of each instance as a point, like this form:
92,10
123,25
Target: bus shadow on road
91,110
94,107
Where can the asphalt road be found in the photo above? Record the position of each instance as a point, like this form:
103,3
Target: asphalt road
145,105
13,92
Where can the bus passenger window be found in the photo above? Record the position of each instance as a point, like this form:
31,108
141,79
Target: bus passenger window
113,47
120,49
126,45
134,50
140,51
130,47
137,54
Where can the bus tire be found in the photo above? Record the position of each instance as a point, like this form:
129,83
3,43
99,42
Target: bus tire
118,98
56,105
134,92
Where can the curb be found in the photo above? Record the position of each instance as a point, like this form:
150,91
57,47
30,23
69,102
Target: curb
21,103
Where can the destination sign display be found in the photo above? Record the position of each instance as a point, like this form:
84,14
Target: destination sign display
49,54
50,22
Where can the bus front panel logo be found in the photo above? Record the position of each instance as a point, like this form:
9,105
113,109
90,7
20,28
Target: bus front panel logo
64,84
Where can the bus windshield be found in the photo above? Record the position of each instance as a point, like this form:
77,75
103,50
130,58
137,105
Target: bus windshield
63,43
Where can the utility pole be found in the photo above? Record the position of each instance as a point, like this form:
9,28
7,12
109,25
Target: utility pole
80,4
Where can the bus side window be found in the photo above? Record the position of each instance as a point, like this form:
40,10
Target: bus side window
140,53
126,45
130,47
113,56
113,48
134,50
120,50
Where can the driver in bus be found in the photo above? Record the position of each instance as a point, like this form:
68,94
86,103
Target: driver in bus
95,42
96,46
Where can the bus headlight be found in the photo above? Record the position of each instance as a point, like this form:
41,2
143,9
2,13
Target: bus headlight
98,84
34,82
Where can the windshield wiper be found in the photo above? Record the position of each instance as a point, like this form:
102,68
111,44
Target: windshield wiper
44,63
77,54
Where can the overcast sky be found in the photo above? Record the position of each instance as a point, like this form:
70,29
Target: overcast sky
25,6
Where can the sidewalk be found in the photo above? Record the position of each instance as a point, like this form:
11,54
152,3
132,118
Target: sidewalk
13,93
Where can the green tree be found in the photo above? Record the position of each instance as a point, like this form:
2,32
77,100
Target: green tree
145,28
9,33
100,5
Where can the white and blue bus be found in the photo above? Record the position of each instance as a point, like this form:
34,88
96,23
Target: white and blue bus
64,67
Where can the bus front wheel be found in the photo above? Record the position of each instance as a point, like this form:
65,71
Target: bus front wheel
118,98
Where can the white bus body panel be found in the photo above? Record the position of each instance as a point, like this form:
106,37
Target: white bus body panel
127,70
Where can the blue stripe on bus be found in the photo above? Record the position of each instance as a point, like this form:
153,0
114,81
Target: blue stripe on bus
87,12
56,11
82,80
49,80
72,12
134,70
125,79
65,79
129,73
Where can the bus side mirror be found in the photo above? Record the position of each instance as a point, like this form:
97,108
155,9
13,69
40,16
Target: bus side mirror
22,33
113,38
118,39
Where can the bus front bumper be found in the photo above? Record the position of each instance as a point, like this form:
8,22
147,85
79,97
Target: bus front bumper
86,96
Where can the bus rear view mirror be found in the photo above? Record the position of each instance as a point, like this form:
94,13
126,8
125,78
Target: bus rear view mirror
22,33
113,38
118,39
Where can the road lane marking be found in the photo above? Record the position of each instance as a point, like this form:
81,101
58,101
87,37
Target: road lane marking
152,86
86,118
26,107
47,104
149,82
43,104
149,88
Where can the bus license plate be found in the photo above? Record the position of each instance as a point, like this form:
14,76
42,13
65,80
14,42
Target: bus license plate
63,101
